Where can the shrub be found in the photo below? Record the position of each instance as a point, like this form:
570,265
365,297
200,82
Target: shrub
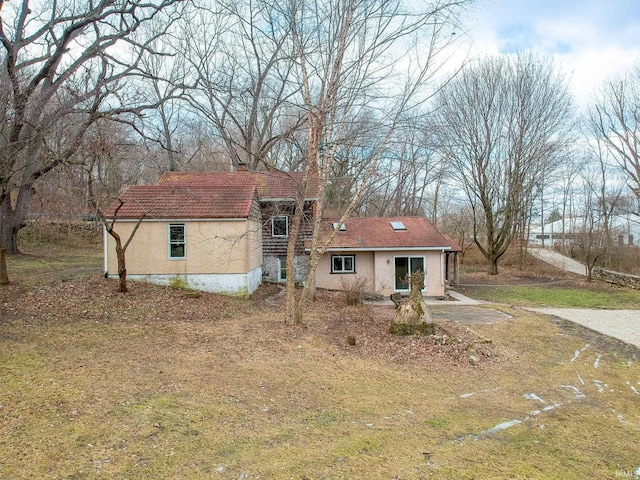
353,290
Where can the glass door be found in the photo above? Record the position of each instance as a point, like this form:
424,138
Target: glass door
402,270
404,266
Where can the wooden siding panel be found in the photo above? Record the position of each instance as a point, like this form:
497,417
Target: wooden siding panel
277,246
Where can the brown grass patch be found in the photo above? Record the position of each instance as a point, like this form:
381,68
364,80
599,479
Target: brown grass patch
154,384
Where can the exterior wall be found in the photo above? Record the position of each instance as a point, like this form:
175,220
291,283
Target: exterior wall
435,274
221,256
277,246
434,266
364,266
385,272
274,247
254,279
379,268
254,243
270,268
211,247
300,264
238,284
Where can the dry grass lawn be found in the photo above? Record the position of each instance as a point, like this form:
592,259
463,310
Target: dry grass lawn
155,384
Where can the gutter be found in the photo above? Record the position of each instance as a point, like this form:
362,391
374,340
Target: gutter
383,249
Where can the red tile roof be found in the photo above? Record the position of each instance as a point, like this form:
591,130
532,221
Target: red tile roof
270,185
454,245
184,201
377,233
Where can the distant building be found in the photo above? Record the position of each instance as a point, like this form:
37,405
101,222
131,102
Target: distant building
625,230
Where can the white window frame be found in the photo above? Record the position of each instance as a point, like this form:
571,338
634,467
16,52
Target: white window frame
286,225
171,243
282,268
343,270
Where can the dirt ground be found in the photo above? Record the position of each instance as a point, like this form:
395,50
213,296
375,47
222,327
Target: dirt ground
459,327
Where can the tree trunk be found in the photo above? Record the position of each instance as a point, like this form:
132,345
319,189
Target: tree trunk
9,237
413,315
14,219
293,309
493,266
122,267
8,230
4,276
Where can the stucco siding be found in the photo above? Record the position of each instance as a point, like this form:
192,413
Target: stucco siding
254,244
379,269
364,269
385,272
435,274
211,247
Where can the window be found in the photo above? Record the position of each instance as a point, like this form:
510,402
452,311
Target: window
177,243
343,227
398,226
280,226
343,264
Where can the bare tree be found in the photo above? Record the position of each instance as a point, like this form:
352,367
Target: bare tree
411,175
355,55
503,125
242,64
590,238
163,82
615,118
110,227
4,275
101,152
63,63
568,172
457,221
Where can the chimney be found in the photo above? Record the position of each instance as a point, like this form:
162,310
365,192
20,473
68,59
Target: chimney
242,167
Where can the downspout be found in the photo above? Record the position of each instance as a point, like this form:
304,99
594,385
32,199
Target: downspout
106,251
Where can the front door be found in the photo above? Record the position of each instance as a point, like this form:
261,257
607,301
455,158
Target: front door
282,269
404,267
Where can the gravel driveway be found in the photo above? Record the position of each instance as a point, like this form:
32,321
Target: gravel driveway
621,324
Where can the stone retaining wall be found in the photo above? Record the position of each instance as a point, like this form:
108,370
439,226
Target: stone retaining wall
616,278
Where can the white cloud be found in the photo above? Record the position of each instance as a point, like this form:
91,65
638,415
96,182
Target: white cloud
591,40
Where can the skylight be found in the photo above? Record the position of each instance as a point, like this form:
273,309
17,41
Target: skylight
343,227
398,226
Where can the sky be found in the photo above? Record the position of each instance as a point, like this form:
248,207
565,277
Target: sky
590,41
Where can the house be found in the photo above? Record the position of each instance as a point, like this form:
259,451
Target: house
197,237
624,230
219,232
227,232
277,193
381,252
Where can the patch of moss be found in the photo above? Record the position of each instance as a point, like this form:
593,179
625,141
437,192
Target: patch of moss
437,422
420,329
178,282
